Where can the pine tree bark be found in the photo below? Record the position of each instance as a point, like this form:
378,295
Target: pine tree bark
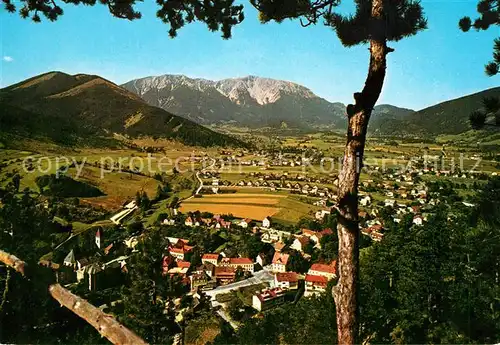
346,291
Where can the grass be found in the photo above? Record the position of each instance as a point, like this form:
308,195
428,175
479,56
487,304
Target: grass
79,227
202,330
246,293
293,210
118,186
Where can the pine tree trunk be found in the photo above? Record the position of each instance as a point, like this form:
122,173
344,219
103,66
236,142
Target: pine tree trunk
346,291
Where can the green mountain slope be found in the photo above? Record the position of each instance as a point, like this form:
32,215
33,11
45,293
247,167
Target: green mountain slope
87,105
450,117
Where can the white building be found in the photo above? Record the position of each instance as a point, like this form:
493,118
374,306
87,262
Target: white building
279,262
286,280
266,223
268,299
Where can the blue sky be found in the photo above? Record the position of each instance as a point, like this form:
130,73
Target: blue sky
438,64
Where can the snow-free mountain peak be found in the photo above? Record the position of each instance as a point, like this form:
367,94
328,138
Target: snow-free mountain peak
248,101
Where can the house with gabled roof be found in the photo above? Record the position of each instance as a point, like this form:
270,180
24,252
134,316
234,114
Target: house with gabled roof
326,270
244,263
266,222
286,280
279,262
300,243
244,223
70,260
225,274
179,249
180,268
212,258
315,284
268,299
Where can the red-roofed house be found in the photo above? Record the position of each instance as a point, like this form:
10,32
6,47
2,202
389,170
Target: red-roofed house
300,243
245,223
326,270
183,264
374,231
221,223
245,263
225,275
278,246
212,258
167,262
286,280
268,299
315,284
181,267
279,262
308,232
180,250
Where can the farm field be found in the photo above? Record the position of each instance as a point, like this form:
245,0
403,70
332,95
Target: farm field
256,212
282,207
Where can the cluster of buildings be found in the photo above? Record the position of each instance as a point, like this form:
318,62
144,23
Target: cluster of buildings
215,269
218,222
314,281
97,271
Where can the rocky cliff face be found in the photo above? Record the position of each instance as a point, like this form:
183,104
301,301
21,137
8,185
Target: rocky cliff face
249,101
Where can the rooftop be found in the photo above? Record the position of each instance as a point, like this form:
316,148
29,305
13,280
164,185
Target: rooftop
279,258
316,280
287,277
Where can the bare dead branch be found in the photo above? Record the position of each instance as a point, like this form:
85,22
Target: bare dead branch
104,323
12,261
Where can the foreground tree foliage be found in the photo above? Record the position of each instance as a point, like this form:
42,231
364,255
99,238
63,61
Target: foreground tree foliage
147,296
489,15
436,283
488,116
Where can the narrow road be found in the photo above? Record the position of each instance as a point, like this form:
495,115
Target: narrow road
258,278
199,178
93,225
